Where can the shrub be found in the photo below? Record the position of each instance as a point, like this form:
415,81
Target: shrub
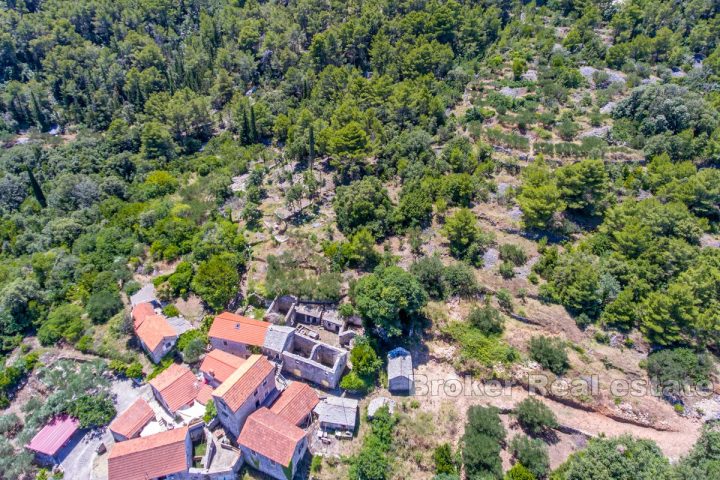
85,344
92,411
487,319
507,271
171,311
210,411
443,459
316,464
531,452
134,370
673,369
9,425
64,321
519,472
460,279
504,298
481,443
430,272
550,353
514,254
535,417
353,382
103,305
372,462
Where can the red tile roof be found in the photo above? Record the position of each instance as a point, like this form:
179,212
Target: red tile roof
153,330
205,394
140,312
295,403
131,422
148,457
243,382
271,436
220,365
178,386
228,326
54,435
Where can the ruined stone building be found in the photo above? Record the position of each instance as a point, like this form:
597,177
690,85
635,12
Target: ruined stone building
314,361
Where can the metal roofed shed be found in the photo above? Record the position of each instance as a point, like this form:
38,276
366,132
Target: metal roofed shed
48,442
146,294
400,371
337,413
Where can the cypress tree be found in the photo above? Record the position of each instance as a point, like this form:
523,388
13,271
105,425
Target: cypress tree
311,147
253,128
245,135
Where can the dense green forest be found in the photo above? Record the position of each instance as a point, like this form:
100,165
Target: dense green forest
125,123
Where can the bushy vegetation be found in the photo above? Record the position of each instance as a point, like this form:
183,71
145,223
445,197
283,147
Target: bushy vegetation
621,458
531,452
535,417
388,300
366,365
481,443
675,369
374,461
550,353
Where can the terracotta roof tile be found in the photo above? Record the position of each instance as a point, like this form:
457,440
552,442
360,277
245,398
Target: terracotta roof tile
271,436
178,386
243,382
236,328
153,330
54,434
140,312
295,403
148,457
131,422
205,394
220,365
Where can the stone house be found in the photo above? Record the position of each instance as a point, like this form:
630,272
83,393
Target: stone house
248,388
162,455
131,422
296,404
272,445
218,365
169,455
176,388
238,335
154,332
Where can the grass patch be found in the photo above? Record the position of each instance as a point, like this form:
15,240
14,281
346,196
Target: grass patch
199,450
477,348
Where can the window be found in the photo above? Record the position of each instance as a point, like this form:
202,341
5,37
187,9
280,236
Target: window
224,342
264,382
